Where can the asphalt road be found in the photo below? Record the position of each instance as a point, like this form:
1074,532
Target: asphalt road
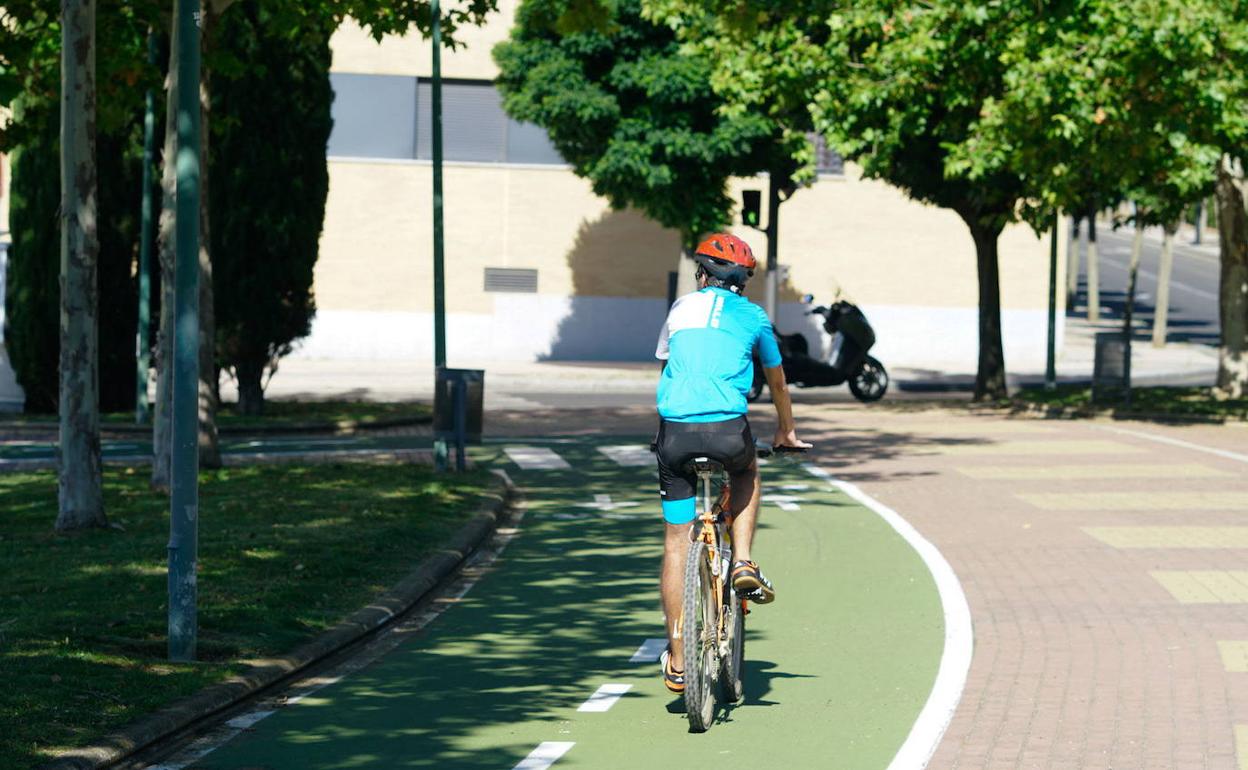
1193,286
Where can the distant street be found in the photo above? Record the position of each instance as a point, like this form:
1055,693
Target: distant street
1193,285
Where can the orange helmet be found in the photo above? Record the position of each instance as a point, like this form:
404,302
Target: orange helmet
727,258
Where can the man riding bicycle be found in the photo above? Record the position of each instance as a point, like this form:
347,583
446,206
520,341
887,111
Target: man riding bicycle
707,344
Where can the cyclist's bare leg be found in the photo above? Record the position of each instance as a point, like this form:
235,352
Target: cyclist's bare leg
746,488
672,585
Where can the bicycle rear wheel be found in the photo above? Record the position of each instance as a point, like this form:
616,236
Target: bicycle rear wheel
730,666
698,637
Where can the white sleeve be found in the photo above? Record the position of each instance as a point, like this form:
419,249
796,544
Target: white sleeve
661,352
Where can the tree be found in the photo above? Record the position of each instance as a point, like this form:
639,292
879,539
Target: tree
633,114
32,307
895,87
1138,100
268,197
29,82
81,498
1232,194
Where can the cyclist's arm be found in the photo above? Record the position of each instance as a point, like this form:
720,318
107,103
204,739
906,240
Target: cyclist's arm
786,432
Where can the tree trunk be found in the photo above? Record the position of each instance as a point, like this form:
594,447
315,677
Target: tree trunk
1233,285
1094,272
80,498
162,415
990,374
1073,246
1161,315
250,387
1128,316
209,450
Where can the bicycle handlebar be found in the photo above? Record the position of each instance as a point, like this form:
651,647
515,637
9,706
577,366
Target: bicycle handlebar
766,451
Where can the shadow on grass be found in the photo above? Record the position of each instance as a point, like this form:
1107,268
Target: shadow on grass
284,552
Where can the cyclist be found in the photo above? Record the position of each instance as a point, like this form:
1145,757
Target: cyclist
707,346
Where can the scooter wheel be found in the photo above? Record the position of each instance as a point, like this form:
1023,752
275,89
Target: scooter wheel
870,382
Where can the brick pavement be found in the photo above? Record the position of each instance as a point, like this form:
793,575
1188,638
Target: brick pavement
1084,658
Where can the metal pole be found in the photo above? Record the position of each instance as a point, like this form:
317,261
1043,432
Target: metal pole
1050,366
439,292
146,236
773,232
184,511
439,288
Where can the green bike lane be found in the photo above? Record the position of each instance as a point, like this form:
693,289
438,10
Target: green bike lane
837,669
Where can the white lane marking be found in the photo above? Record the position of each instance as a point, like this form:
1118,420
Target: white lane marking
247,720
603,503
783,502
649,651
629,454
533,458
1177,442
605,697
326,683
1150,275
544,755
955,660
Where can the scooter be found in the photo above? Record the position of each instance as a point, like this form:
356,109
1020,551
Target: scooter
852,337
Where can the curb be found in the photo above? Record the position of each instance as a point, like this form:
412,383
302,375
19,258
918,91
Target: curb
187,713
1115,413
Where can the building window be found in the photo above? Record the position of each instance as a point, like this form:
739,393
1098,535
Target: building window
827,160
374,116
387,116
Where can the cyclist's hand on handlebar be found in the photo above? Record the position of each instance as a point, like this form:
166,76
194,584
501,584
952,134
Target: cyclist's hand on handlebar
788,441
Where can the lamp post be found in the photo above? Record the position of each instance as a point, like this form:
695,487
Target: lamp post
439,275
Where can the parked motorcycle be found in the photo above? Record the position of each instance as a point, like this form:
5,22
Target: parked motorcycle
848,361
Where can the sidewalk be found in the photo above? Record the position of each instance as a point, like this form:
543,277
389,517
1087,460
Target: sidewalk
509,382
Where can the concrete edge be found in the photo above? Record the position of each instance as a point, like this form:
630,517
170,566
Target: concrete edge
1050,412
186,713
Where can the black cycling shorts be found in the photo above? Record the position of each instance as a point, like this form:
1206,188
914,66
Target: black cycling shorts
728,441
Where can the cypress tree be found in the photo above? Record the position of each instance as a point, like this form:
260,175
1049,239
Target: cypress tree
32,301
269,183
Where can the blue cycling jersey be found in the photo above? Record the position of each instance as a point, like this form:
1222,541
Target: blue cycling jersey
708,342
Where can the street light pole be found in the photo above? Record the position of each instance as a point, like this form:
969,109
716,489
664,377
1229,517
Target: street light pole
439,290
184,478
146,236
439,270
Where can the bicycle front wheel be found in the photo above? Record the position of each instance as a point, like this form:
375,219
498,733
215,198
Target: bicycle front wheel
698,637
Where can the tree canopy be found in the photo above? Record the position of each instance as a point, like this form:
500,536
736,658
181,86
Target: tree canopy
632,113
895,87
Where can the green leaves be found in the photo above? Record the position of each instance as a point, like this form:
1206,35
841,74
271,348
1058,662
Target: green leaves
632,110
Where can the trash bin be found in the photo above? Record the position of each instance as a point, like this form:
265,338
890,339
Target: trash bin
1111,375
457,408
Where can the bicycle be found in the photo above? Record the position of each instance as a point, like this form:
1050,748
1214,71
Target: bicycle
712,622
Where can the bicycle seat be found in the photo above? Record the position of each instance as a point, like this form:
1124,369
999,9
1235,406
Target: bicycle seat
701,465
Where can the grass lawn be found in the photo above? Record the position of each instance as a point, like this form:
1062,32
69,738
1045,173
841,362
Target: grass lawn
277,414
1181,402
285,552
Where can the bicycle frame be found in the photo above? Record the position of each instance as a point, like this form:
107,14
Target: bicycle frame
714,529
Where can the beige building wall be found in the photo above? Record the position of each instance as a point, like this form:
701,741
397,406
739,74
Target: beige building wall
602,274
